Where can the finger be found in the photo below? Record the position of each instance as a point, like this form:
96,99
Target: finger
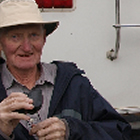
55,135
13,103
41,138
43,124
14,116
52,137
20,96
19,104
48,122
13,95
17,94
55,129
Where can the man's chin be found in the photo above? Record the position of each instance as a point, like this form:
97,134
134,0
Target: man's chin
25,66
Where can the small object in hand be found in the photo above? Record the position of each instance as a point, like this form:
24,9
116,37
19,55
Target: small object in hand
31,121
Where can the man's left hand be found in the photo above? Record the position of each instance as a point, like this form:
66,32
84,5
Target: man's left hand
50,129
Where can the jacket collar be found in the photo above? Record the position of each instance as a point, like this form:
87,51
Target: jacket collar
2,89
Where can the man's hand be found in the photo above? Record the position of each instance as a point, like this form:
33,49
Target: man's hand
50,129
9,117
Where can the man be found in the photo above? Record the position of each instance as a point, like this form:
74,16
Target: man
66,106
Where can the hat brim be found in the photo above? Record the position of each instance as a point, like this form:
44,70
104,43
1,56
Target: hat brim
48,26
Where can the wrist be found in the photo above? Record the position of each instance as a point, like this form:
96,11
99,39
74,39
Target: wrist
6,137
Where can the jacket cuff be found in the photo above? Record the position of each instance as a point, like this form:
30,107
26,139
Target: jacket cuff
67,129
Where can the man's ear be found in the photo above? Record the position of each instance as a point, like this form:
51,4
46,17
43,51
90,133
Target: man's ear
44,36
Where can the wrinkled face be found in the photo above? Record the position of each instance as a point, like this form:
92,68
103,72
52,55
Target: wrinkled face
22,45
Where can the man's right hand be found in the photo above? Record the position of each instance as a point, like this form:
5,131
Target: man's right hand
9,117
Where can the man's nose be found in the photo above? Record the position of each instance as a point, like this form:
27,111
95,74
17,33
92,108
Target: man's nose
26,44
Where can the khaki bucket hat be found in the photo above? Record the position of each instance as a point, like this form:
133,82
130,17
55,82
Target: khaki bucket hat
19,12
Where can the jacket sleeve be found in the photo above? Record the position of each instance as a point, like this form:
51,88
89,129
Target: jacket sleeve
99,120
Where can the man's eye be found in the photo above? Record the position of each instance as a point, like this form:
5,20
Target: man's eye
14,36
34,34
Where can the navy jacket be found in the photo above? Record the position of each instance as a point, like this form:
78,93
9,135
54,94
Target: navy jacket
89,115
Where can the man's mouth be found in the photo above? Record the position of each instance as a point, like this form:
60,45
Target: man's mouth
25,55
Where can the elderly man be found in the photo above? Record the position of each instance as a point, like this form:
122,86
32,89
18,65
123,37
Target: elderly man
46,101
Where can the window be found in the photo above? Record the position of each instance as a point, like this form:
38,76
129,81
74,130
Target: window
56,4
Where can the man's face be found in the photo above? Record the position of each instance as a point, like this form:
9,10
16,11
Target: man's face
22,46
